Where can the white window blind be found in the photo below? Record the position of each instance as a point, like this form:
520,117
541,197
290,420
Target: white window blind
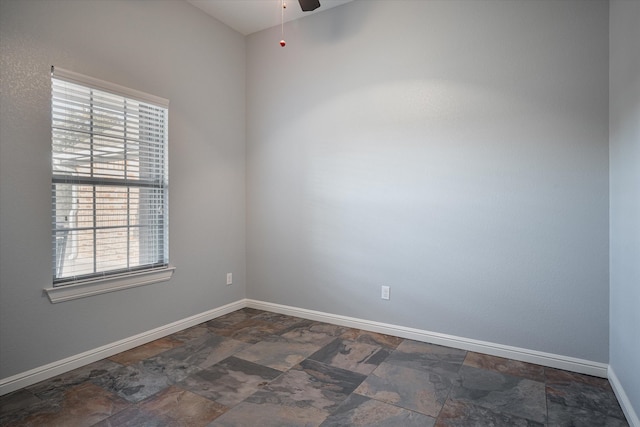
110,179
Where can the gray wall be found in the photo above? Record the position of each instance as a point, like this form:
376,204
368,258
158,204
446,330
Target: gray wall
166,48
624,133
454,150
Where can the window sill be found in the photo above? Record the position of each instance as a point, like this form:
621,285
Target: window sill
108,284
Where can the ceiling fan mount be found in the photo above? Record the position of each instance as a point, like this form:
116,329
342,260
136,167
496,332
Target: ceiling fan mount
309,5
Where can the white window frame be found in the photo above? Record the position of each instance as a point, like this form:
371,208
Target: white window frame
101,282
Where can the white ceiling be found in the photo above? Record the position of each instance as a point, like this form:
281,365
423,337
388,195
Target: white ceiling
249,16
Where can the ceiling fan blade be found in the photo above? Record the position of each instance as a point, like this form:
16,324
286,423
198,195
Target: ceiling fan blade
309,5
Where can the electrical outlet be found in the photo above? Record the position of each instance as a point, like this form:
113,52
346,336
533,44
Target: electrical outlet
385,292
229,278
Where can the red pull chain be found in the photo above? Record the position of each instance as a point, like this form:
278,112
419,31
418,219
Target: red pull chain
284,6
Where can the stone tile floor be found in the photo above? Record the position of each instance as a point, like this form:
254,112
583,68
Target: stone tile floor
256,368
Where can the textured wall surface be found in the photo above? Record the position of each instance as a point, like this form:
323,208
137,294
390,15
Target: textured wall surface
453,150
624,131
166,48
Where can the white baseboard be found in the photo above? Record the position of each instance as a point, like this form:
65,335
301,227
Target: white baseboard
623,399
522,354
50,370
24,379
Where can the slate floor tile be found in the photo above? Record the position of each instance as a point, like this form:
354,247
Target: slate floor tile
20,404
505,366
428,357
280,355
81,405
583,404
303,396
360,411
258,326
310,332
175,370
251,330
419,391
133,383
133,417
457,413
191,333
270,415
563,416
282,320
560,377
181,408
230,381
310,384
58,384
233,318
16,401
374,338
498,392
206,350
351,355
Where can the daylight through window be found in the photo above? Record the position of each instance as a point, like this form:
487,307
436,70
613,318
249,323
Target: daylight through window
110,179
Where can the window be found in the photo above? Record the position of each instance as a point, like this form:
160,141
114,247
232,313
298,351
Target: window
109,182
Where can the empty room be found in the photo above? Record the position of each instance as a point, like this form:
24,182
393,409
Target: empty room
368,213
